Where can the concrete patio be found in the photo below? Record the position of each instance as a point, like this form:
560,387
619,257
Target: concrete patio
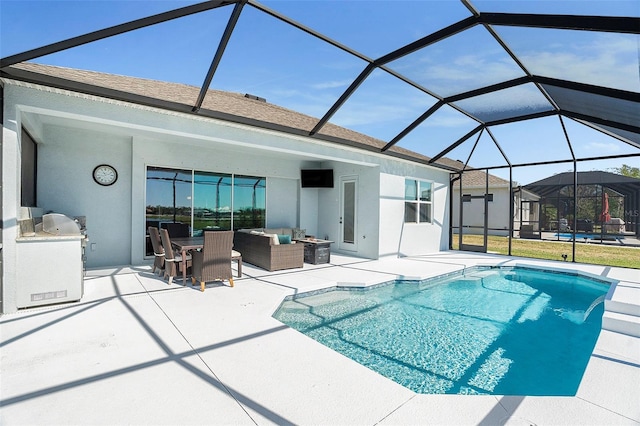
136,350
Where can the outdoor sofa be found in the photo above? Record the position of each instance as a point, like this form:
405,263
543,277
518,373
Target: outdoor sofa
271,249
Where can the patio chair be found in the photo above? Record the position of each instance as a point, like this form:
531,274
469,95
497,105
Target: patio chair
172,258
158,249
213,263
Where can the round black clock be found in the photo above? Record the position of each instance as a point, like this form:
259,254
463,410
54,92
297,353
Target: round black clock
105,175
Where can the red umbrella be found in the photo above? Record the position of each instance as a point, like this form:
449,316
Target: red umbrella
605,216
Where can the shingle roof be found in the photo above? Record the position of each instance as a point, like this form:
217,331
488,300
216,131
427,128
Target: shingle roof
220,104
477,178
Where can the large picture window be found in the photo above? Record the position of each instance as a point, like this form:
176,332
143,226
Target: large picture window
249,202
418,201
203,201
211,201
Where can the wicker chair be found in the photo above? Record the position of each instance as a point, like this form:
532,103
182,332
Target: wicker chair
213,263
158,249
171,258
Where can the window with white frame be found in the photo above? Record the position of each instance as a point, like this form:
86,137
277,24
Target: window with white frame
418,206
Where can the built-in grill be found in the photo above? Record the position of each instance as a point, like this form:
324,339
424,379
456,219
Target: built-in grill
59,224
51,257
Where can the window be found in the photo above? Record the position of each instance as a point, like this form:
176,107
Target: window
29,151
249,202
417,204
211,202
203,200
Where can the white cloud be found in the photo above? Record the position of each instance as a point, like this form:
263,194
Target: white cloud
609,148
358,115
331,84
606,60
525,97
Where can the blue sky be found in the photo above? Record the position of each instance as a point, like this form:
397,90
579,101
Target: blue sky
270,59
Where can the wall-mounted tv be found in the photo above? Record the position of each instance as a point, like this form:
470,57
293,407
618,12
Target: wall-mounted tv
316,178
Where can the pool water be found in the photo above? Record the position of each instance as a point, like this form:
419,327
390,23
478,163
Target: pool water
499,331
588,236
578,236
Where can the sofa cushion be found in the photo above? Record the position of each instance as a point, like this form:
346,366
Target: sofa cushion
249,230
280,231
274,239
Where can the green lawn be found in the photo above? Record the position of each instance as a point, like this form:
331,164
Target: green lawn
596,254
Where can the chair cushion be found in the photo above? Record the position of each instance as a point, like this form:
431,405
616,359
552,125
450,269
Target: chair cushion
178,257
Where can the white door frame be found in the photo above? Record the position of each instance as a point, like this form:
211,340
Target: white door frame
351,243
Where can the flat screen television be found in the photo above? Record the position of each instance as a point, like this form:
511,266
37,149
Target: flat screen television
316,178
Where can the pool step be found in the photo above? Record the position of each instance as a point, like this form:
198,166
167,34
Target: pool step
624,300
621,323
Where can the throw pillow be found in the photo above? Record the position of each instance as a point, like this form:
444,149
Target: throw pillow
298,234
284,239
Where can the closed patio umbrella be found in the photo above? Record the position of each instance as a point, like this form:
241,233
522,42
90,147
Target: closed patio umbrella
605,216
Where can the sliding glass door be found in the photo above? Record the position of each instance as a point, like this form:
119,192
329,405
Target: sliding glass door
249,202
211,201
168,199
203,201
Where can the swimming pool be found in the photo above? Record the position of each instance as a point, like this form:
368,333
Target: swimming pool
588,236
570,236
503,331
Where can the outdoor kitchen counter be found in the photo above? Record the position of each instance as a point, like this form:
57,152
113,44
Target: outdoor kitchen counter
49,268
42,236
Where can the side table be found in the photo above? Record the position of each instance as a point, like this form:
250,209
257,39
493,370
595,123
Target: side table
316,251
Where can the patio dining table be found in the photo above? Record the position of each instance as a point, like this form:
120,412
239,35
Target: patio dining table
185,244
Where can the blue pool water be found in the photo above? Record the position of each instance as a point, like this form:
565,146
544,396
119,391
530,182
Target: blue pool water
509,331
587,236
578,236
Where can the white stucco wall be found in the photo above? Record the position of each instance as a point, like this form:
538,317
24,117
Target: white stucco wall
498,210
367,224
410,239
10,184
66,159
283,208
77,132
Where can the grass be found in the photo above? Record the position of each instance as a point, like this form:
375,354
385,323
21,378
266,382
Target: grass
596,254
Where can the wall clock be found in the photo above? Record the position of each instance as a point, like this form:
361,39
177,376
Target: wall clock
105,175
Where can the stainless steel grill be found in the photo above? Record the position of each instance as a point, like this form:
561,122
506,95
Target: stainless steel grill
59,224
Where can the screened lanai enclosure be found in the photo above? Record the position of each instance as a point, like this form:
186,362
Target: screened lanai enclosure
604,203
502,94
